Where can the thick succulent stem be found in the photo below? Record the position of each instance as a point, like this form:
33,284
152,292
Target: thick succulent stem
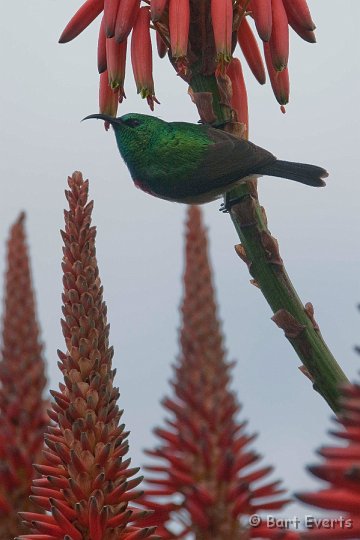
259,249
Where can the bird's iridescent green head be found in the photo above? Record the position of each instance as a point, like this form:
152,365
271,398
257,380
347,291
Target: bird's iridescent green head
135,135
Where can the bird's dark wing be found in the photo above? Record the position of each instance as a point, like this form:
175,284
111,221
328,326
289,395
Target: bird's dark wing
226,160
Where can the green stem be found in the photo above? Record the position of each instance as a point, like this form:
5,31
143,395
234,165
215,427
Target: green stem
260,251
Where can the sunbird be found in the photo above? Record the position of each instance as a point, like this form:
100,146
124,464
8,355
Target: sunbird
195,163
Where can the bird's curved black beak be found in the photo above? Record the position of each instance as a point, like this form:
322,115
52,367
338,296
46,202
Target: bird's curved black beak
110,119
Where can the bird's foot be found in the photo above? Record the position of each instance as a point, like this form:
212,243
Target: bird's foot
228,203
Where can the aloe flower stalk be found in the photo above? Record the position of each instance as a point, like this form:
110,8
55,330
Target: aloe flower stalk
86,485
200,480
23,416
341,472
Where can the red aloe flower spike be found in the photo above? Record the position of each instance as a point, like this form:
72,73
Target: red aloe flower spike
116,62
141,57
161,45
262,13
222,22
251,51
203,450
239,100
101,50
279,40
85,482
341,471
110,13
179,23
157,8
22,408
126,16
81,20
300,13
279,79
108,99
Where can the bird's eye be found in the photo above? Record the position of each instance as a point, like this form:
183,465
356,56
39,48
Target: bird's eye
132,122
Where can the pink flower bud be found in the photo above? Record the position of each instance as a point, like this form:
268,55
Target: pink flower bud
261,11
300,12
306,35
82,18
239,95
250,49
125,19
116,61
279,79
141,57
157,8
179,22
161,45
110,13
222,21
101,50
108,99
279,40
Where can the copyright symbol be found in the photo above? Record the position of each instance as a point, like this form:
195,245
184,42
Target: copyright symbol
254,520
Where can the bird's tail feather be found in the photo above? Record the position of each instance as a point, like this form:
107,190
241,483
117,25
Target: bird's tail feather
300,172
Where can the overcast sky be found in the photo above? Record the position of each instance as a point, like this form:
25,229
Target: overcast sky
48,88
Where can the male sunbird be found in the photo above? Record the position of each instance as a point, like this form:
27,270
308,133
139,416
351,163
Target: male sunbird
192,163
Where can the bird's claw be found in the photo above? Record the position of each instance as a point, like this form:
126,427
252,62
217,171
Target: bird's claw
228,203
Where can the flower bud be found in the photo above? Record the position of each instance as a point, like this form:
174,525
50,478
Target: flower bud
141,57
81,20
250,49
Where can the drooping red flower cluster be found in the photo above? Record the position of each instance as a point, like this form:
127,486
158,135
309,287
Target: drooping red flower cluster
86,484
201,37
201,483
341,471
23,416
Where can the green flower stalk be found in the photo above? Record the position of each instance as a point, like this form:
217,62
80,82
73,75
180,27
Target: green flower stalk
23,416
201,484
87,485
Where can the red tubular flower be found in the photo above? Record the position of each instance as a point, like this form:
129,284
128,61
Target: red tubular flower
110,13
279,79
126,17
81,20
262,13
304,33
222,22
116,61
86,484
157,8
141,57
187,26
341,471
300,12
239,100
179,21
279,39
251,51
108,99
200,482
23,417
101,50
161,45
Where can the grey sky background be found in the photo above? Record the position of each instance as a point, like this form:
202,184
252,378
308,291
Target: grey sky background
47,88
